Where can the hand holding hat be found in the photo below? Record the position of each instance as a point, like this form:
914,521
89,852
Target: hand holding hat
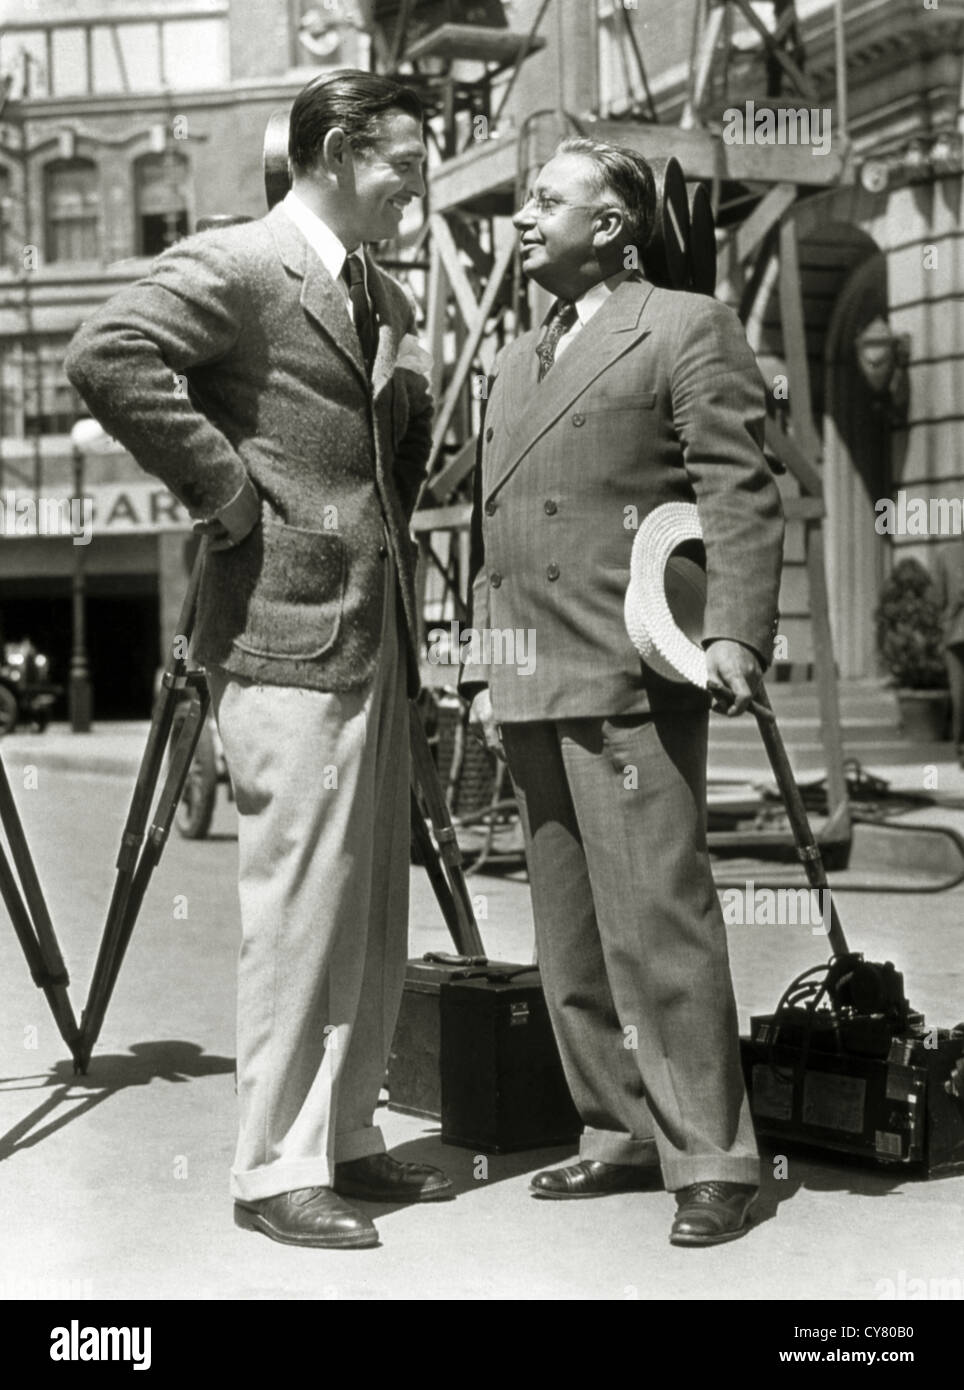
664,607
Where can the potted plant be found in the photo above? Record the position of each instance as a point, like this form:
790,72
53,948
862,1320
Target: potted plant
909,642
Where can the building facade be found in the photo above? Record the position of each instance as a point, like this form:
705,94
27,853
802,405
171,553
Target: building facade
123,122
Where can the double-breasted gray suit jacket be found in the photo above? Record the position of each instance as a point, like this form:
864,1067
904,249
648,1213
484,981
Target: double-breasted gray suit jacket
279,417
657,399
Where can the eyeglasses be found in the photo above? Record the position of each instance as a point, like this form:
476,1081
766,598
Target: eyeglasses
546,207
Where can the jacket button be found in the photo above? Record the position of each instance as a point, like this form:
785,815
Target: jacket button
552,571
579,419
490,508
550,507
383,551
489,433
495,579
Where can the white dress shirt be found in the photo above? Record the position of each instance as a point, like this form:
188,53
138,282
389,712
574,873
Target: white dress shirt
590,303
325,244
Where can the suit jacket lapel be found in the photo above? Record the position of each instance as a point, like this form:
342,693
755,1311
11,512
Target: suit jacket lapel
533,406
321,298
387,350
519,374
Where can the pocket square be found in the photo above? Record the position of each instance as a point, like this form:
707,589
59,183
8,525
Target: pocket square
413,357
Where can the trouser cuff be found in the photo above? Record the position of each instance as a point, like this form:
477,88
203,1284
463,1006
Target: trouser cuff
609,1146
275,1178
683,1172
359,1143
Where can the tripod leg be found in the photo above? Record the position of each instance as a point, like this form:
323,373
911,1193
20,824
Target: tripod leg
52,982
114,945
464,928
31,920
429,856
174,679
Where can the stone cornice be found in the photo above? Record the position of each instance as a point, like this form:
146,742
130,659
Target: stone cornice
881,33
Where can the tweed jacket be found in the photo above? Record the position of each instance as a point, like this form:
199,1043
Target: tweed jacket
658,399
233,373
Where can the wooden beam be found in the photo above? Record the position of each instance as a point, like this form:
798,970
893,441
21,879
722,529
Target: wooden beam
795,342
764,216
785,448
490,167
452,518
800,79
435,320
454,270
828,700
452,473
701,69
803,508
469,349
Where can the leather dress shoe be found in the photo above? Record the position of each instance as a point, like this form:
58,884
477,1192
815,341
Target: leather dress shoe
590,1177
381,1178
314,1216
707,1213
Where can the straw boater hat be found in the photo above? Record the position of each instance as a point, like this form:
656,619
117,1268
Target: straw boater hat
666,596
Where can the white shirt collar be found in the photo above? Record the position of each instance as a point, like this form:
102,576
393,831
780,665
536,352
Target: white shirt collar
596,296
322,240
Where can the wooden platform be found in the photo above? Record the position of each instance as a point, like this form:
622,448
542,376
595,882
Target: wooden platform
482,179
474,42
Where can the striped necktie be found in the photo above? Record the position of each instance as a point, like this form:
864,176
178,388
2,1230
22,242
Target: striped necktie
352,272
563,317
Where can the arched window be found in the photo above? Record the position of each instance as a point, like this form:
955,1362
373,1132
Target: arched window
160,199
72,210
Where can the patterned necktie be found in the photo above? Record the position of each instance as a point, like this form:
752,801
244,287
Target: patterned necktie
353,274
563,317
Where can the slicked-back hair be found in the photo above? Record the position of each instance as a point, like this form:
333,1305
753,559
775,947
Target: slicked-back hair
625,176
352,100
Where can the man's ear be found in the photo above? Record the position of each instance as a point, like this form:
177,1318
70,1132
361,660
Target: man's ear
609,227
335,150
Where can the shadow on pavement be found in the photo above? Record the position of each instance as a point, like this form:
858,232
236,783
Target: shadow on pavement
164,1060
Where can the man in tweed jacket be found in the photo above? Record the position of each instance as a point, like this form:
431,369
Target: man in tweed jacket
270,378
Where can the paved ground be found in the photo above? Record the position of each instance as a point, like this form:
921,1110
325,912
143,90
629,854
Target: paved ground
114,1185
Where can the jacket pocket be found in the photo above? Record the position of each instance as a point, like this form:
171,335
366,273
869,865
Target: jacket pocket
295,608
639,400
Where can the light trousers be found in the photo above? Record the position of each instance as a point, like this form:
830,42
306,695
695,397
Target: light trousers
321,782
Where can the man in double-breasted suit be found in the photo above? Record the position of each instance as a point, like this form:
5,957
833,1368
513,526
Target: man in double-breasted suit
628,396
268,374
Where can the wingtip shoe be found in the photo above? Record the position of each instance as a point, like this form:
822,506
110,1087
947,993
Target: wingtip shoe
708,1213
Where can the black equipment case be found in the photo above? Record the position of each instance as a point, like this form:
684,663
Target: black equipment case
903,1106
474,1048
414,1081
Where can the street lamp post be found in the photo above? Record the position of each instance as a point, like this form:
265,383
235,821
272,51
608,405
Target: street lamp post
84,434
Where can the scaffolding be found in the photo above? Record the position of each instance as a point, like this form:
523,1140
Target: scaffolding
738,195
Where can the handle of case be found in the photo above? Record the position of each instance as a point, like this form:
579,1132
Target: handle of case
450,958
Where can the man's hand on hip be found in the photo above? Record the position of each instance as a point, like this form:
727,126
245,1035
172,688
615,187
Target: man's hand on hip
736,667
482,723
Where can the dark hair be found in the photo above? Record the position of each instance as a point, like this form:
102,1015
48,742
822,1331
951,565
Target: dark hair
625,175
351,99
